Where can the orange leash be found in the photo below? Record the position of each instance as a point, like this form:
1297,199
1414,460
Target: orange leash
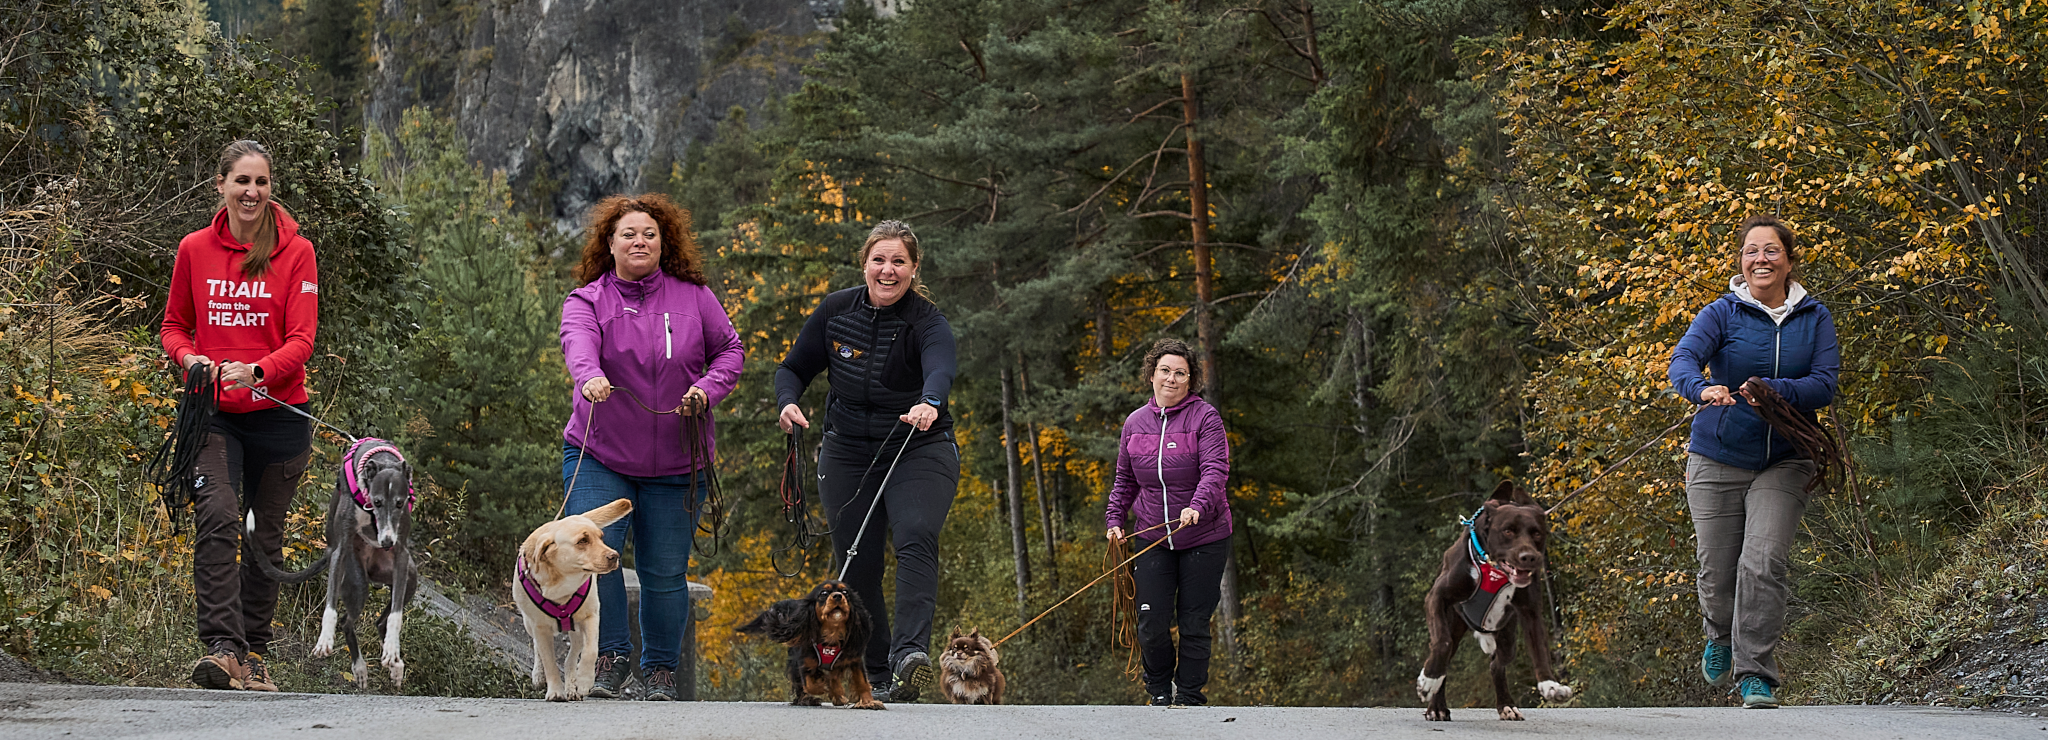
1118,568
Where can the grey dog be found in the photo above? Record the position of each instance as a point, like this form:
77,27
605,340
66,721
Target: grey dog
369,524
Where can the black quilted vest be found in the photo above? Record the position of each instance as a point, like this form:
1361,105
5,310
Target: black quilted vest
876,372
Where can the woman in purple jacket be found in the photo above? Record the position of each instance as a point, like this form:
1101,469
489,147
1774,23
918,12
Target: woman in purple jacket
643,336
1172,462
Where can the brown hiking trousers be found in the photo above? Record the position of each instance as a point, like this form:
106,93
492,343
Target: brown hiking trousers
257,458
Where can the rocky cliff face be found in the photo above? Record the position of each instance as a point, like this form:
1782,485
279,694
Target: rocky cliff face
579,99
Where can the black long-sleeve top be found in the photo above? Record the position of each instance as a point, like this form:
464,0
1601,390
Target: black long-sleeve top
884,360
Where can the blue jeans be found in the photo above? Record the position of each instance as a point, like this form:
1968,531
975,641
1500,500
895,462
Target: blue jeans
663,521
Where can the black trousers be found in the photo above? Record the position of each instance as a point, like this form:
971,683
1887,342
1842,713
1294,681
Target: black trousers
1178,588
912,512
257,458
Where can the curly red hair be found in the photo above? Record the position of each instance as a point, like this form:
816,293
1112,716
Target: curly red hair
679,255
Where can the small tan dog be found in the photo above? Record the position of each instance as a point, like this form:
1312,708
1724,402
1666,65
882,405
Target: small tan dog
967,670
554,583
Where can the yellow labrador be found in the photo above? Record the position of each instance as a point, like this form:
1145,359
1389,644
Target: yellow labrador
554,583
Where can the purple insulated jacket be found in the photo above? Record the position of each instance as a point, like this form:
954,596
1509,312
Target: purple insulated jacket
656,337
1168,460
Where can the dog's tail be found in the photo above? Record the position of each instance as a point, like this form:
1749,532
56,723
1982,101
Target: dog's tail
271,569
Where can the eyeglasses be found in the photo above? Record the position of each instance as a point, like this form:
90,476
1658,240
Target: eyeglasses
1769,253
1166,372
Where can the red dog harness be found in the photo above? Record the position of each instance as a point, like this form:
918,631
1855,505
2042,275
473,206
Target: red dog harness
828,654
363,448
563,613
1491,579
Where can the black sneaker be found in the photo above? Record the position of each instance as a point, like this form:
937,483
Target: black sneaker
883,687
661,685
1190,699
913,674
612,672
1160,700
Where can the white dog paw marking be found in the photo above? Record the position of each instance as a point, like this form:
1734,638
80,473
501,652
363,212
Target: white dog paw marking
1486,643
362,672
1426,687
397,671
391,625
325,646
1554,691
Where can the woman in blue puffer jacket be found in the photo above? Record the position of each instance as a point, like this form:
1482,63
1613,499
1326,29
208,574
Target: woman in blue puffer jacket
1172,462
1745,483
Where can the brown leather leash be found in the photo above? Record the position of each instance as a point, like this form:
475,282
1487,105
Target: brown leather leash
1098,579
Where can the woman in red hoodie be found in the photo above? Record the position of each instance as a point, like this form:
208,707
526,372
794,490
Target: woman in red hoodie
245,300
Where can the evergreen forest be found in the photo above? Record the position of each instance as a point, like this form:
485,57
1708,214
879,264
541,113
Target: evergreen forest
1422,246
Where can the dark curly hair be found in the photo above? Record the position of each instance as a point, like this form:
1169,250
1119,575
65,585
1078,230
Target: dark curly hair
679,254
1171,346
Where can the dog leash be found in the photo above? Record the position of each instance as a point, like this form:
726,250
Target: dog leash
171,468
807,529
857,534
1631,456
352,439
1098,579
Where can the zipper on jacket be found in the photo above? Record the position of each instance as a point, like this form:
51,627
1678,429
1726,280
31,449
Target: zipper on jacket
1777,363
668,341
1165,504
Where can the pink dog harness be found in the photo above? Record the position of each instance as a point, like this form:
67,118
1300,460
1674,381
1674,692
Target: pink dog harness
563,613
362,449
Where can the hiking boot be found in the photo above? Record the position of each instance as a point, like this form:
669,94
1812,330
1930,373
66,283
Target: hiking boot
913,673
661,685
1160,699
612,672
220,670
1756,694
882,687
1714,664
1190,699
259,675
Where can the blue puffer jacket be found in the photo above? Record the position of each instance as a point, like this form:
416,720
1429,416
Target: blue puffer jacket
1734,339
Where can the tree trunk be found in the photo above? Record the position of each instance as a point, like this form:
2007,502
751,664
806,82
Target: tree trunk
1016,493
1205,323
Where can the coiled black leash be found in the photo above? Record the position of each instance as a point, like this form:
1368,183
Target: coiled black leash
806,529
697,446
171,467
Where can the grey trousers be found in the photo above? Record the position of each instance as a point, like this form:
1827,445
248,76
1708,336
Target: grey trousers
1745,521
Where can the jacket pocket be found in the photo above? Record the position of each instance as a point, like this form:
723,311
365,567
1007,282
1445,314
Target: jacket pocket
1141,445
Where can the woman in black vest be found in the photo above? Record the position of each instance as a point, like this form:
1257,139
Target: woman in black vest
892,360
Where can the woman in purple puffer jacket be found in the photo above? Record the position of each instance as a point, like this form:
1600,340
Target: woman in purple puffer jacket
1172,462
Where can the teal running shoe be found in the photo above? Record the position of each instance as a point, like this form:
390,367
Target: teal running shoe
1756,694
1714,664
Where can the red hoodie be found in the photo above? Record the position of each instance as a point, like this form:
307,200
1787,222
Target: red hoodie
269,321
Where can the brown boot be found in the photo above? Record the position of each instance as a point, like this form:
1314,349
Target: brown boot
220,669
259,675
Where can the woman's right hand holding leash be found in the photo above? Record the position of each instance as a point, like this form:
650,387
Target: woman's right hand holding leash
1717,395
1116,534
596,390
793,417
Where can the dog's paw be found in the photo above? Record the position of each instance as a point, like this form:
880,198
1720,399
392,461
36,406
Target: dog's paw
397,668
1510,714
556,694
1436,715
362,673
1426,687
1553,691
807,701
870,703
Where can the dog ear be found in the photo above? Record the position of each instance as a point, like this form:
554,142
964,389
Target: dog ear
1505,492
603,516
540,555
1522,498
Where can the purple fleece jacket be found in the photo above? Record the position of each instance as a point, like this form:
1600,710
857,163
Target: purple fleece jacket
1168,460
655,337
